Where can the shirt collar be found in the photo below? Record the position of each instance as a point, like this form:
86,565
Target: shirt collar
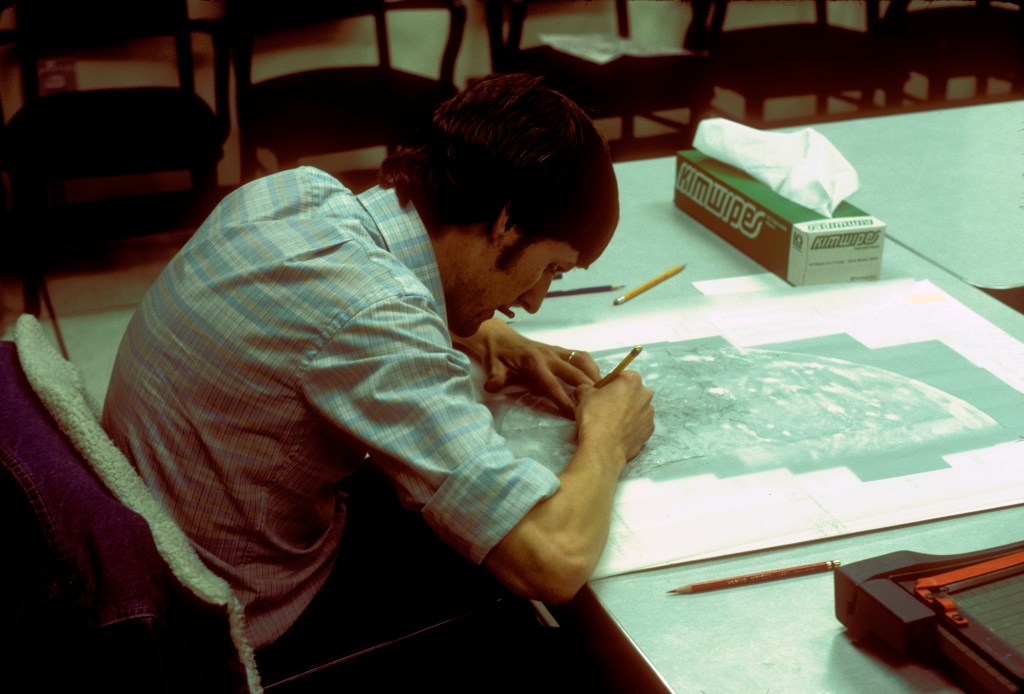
405,236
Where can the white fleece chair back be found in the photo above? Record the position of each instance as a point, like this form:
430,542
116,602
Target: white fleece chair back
60,387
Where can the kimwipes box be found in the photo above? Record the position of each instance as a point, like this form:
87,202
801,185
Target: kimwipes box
792,241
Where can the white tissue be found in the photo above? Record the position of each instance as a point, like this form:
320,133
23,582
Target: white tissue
803,166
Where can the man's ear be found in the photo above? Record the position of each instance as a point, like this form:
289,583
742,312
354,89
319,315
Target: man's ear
503,231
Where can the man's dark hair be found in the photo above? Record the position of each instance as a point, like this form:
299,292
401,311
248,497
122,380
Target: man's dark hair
510,140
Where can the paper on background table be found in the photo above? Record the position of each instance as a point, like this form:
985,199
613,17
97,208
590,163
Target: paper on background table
694,513
740,285
603,48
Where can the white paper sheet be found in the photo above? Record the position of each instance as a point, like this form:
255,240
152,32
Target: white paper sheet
709,506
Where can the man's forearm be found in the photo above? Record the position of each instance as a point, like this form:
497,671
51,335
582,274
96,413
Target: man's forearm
552,552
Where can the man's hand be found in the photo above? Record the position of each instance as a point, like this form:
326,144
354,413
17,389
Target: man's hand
553,550
618,415
508,358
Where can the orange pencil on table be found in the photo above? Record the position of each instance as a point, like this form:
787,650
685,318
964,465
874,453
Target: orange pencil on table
647,285
772,575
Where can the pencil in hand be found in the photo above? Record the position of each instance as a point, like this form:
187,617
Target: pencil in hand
614,373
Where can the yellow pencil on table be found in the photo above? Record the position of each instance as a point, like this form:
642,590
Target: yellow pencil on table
647,285
614,373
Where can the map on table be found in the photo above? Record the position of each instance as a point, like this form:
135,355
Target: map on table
757,446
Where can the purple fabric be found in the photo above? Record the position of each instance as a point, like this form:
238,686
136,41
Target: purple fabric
85,596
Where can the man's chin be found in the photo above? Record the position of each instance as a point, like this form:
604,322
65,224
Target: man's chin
468,328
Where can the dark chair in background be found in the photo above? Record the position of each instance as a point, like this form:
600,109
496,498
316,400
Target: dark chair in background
983,41
819,59
61,139
326,109
627,88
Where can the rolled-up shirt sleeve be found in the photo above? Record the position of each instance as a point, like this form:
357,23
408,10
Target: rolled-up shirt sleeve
389,377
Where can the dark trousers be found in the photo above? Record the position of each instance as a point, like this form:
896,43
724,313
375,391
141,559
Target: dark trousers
402,611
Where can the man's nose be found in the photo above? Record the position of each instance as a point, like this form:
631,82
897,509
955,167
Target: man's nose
534,297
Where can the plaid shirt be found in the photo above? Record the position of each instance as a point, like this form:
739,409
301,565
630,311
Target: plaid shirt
299,330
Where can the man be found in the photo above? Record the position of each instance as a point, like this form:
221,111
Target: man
304,333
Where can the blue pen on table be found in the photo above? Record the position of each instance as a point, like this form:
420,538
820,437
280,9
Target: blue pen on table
584,290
